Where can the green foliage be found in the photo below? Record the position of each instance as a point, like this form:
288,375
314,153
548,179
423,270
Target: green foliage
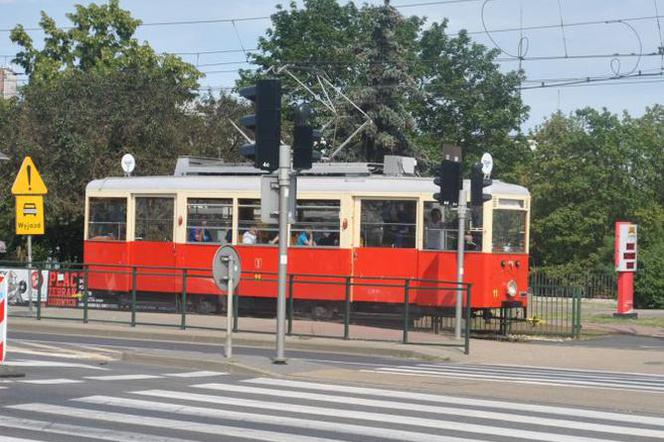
421,87
589,170
96,93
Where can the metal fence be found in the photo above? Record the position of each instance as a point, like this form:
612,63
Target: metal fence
600,285
318,305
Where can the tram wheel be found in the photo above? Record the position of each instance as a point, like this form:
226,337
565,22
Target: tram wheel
205,307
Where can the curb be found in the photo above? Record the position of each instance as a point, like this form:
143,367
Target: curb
292,342
231,366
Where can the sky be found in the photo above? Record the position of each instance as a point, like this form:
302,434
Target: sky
576,50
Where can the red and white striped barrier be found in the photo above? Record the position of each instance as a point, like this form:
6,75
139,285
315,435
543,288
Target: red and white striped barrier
3,318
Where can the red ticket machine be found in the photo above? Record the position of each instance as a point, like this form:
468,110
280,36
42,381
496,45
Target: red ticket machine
625,259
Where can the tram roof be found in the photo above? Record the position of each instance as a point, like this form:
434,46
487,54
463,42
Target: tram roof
372,183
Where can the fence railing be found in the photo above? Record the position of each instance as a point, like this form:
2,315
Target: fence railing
170,296
601,285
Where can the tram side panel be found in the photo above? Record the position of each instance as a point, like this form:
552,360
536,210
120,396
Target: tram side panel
111,274
370,267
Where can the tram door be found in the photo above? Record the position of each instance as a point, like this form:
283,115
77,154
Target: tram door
154,248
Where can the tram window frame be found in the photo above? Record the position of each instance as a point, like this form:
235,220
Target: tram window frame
153,223
443,233
121,223
503,243
266,234
214,225
393,236
322,230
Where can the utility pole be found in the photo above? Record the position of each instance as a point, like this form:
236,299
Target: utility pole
284,195
460,261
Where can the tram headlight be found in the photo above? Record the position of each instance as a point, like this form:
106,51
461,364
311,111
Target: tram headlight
512,288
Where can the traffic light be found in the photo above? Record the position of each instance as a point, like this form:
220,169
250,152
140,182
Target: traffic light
266,123
477,184
304,137
450,181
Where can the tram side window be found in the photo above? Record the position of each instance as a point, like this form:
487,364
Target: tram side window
388,223
154,219
317,223
440,227
509,231
210,220
250,228
107,219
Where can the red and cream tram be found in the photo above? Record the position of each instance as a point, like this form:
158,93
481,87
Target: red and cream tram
349,222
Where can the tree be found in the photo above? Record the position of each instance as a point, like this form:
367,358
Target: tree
420,86
94,93
467,100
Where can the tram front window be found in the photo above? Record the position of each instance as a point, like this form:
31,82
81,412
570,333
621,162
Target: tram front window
107,219
317,223
209,220
509,231
250,228
154,219
388,223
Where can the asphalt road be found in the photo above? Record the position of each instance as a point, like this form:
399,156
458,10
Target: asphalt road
77,392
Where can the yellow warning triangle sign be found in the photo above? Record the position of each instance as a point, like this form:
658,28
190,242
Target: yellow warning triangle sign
28,181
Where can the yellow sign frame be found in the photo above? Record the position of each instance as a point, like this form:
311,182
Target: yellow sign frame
28,180
30,215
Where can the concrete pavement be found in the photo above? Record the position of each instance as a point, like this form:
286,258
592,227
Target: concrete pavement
548,353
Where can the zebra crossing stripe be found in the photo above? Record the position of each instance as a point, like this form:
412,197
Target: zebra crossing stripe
261,418
170,424
453,411
453,400
383,418
77,431
645,380
52,364
57,381
532,380
197,374
17,439
123,377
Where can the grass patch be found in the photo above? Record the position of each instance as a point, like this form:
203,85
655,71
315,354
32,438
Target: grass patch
609,319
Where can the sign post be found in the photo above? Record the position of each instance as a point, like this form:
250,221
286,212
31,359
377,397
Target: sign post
226,270
3,319
626,259
29,189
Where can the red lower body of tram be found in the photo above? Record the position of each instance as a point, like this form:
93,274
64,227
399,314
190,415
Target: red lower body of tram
489,273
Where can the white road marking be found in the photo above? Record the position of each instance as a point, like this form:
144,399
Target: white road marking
197,374
56,351
531,380
261,418
36,363
78,430
453,411
17,439
55,381
453,400
534,372
123,377
576,369
438,424
171,424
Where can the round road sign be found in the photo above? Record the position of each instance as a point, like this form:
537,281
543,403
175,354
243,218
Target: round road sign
128,163
487,164
220,267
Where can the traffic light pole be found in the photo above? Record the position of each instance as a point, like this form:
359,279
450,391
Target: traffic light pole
284,191
461,241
